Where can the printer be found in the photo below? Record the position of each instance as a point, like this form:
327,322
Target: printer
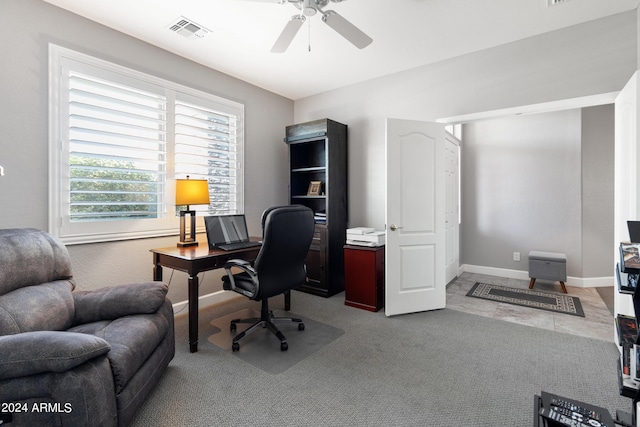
365,236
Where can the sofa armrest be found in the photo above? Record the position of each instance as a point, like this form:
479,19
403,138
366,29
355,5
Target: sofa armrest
31,353
118,301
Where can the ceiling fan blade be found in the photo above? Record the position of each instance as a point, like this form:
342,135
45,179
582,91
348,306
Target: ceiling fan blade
287,35
346,29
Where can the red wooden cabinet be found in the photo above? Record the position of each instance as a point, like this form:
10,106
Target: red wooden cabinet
364,277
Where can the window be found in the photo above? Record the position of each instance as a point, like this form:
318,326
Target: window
205,148
118,141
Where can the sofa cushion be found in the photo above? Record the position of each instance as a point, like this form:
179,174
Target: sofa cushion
32,353
45,307
117,301
132,340
30,257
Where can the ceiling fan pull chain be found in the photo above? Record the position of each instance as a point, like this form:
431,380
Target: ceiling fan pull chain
309,35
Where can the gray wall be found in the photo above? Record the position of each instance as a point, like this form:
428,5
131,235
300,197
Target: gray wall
26,28
592,58
521,189
539,182
597,190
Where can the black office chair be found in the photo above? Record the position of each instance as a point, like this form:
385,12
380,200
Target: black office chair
278,268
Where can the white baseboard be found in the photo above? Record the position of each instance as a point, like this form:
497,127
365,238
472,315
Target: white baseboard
213,298
580,282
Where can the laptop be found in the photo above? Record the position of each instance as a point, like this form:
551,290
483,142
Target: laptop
228,232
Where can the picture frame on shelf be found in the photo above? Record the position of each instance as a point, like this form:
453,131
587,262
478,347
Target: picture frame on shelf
314,188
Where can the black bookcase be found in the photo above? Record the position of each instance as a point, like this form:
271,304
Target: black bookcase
627,273
318,179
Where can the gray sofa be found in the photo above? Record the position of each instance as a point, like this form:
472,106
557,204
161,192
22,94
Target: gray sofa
74,358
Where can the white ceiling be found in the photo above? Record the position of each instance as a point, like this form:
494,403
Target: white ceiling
406,34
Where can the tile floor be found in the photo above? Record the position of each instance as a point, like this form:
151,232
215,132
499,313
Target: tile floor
597,323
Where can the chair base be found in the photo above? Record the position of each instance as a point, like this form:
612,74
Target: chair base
266,320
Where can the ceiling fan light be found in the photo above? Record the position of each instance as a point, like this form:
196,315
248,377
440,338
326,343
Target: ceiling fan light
346,29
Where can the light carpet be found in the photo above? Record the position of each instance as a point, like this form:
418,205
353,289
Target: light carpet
439,368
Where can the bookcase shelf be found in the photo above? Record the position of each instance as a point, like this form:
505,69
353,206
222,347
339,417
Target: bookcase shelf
310,169
318,152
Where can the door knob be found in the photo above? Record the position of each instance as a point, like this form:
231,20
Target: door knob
395,227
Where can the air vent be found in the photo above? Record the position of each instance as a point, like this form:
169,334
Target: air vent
555,2
188,29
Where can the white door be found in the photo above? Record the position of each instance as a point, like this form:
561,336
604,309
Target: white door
415,219
452,225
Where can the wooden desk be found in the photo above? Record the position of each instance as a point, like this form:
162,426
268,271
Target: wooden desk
193,260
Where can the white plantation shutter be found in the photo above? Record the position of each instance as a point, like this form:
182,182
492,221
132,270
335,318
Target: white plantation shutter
206,147
117,151
119,139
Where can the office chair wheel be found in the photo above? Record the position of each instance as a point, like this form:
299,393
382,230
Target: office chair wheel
232,328
301,326
284,346
235,346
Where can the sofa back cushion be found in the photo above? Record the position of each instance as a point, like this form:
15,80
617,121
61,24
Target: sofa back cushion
35,282
45,307
30,257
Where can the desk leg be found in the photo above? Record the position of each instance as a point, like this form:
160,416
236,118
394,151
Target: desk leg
157,273
193,314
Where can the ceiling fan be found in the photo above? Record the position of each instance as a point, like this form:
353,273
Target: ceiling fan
310,8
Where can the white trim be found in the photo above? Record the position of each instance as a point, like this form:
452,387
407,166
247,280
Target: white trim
544,107
205,301
579,282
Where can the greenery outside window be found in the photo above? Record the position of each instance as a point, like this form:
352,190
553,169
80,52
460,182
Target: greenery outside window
119,139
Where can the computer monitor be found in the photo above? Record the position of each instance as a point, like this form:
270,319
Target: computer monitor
634,231
225,229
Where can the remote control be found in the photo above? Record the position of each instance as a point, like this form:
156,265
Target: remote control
574,408
564,420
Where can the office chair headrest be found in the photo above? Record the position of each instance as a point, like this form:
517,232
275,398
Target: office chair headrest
292,208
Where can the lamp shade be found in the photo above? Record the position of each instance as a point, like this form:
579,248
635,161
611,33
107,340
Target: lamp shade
192,192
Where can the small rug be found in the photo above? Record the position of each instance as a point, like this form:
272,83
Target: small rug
262,349
557,303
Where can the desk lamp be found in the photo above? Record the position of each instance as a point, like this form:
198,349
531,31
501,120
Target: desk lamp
190,192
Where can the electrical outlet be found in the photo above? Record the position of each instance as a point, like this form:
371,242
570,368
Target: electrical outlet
516,256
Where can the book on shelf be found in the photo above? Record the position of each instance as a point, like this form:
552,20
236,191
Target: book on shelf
630,258
627,329
628,387
635,363
320,217
627,282
626,360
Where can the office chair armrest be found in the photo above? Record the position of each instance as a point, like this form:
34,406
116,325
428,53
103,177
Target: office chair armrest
246,267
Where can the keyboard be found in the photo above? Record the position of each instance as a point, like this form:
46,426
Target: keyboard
238,245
